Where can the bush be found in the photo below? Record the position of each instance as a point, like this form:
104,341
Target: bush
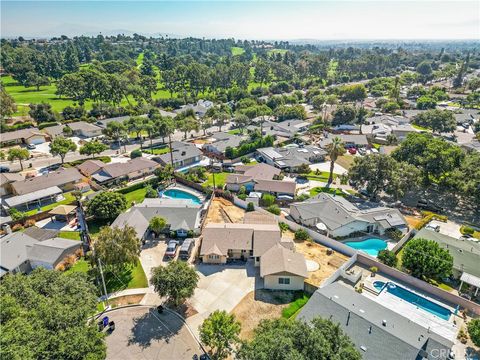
17,215
387,257
267,200
474,331
394,234
301,234
29,223
47,124
284,227
274,209
374,269
17,227
151,192
242,196
467,230
245,160
250,207
136,154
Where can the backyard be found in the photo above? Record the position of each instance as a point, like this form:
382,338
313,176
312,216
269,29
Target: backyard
136,196
220,179
68,199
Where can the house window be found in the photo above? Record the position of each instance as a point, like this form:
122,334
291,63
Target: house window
214,257
284,281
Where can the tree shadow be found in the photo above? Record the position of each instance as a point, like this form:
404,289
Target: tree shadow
152,326
276,297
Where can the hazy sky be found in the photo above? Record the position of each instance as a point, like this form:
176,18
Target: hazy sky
247,19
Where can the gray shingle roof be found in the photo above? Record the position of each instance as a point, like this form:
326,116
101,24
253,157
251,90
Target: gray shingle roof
361,319
52,251
181,151
292,156
54,178
32,196
13,249
40,234
20,134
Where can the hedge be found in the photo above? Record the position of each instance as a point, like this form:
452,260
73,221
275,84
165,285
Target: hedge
126,190
105,159
429,216
46,124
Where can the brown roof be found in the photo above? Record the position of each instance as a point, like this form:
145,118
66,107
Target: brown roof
238,179
20,134
259,171
281,260
264,237
62,210
83,125
7,178
90,167
278,186
257,217
55,178
122,169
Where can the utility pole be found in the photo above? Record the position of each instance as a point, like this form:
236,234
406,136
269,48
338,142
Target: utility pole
103,281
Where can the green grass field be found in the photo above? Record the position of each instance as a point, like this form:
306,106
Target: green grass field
220,179
72,235
69,198
237,51
157,151
318,190
136,196
294,307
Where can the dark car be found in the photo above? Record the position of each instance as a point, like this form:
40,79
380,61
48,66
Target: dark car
4,169
186,249
425,205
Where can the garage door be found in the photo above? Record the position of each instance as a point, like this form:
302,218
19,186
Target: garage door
36,141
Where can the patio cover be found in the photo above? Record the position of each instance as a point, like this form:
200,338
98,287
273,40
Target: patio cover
62,210
33,196
470,279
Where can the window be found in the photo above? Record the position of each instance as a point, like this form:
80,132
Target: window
284,281
214,257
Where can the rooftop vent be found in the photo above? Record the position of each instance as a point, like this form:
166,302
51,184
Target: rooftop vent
384,322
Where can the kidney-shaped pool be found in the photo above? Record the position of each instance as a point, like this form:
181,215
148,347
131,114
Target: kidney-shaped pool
369,246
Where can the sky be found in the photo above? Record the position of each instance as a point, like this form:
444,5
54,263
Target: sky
270,20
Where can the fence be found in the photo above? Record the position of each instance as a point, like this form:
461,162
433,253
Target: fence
341,272
403,240
419,284
191,184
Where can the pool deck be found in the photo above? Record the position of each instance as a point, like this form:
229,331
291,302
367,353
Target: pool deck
444,328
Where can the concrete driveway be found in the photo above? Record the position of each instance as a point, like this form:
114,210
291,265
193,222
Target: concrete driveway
449,228
143,333
325,166
152,255
221,287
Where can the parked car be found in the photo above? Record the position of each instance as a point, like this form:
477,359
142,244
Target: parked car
4,169
352,150
186,248
362,151
424,205
171,248
433,227
31,146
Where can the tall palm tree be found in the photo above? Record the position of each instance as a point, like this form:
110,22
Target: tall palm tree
334,149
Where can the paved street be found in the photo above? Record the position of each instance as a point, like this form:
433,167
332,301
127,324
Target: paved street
143,333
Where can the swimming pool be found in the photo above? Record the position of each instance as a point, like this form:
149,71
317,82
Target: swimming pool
180,194
369,246
417,300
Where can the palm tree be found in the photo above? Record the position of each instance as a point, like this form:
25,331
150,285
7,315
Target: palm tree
334,150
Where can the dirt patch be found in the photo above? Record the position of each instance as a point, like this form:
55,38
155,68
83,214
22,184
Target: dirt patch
345,161
259,305
126,300
223,211
412,221
318,253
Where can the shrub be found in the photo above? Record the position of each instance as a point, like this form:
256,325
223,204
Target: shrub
29,223
301,234
17,227
242,196
136,153
250,206
47,124
283,227
274,209
474,331
267,200
242,190
151,192
394,234
245,160
467,230
374,269
387,257
17,215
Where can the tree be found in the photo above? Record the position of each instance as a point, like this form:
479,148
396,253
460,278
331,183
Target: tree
92,148
302,235
71,59
354,93
107,205
387,257
437,120
44,316
115,131
426,102
117,247
42,112
18,154
344,114
425,259
220,333
250,207
474,331
466,178
61,146
135,153
7,104
177,281
284,339
157,224
242,121
334,149
425,71
383,173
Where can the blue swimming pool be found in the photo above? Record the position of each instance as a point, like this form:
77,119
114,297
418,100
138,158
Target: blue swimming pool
417,300
180,194
369,246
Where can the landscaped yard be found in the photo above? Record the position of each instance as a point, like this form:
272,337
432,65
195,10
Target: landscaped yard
294,308
345,161
318,190
220,179
94,226
69,198
319,176
136,196
72,235
157,151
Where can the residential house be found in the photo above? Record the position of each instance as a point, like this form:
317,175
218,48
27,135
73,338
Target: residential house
79,128
221,140
183,154
21,253
379,333
285,129
259,178
378,128
6,179
23,136
466,116
290,158
341,218
349,140
473,145
200,108
181,216
280,267
115,172
465,253
65,179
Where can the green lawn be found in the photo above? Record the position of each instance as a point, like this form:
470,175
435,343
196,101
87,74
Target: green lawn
418,127
294,307
72,235
136,196
237,50
81,265
320,176
157,151
139,60
235,131
318,190
220,179
69,198
94,226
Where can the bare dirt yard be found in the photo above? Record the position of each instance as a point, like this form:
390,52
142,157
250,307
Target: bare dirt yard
318,253
223,211
258,305
413,221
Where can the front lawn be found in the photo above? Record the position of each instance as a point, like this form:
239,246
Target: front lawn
69,198
157,151
220,179
235,131
136,196
331,191
319,176
72,235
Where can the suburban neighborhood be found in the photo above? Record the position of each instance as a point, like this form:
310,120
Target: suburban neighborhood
171,197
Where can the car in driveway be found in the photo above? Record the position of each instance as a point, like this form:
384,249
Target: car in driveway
31,147
4,169
171,249
433,227
352,151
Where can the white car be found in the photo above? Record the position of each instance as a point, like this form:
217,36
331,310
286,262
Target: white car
433,227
